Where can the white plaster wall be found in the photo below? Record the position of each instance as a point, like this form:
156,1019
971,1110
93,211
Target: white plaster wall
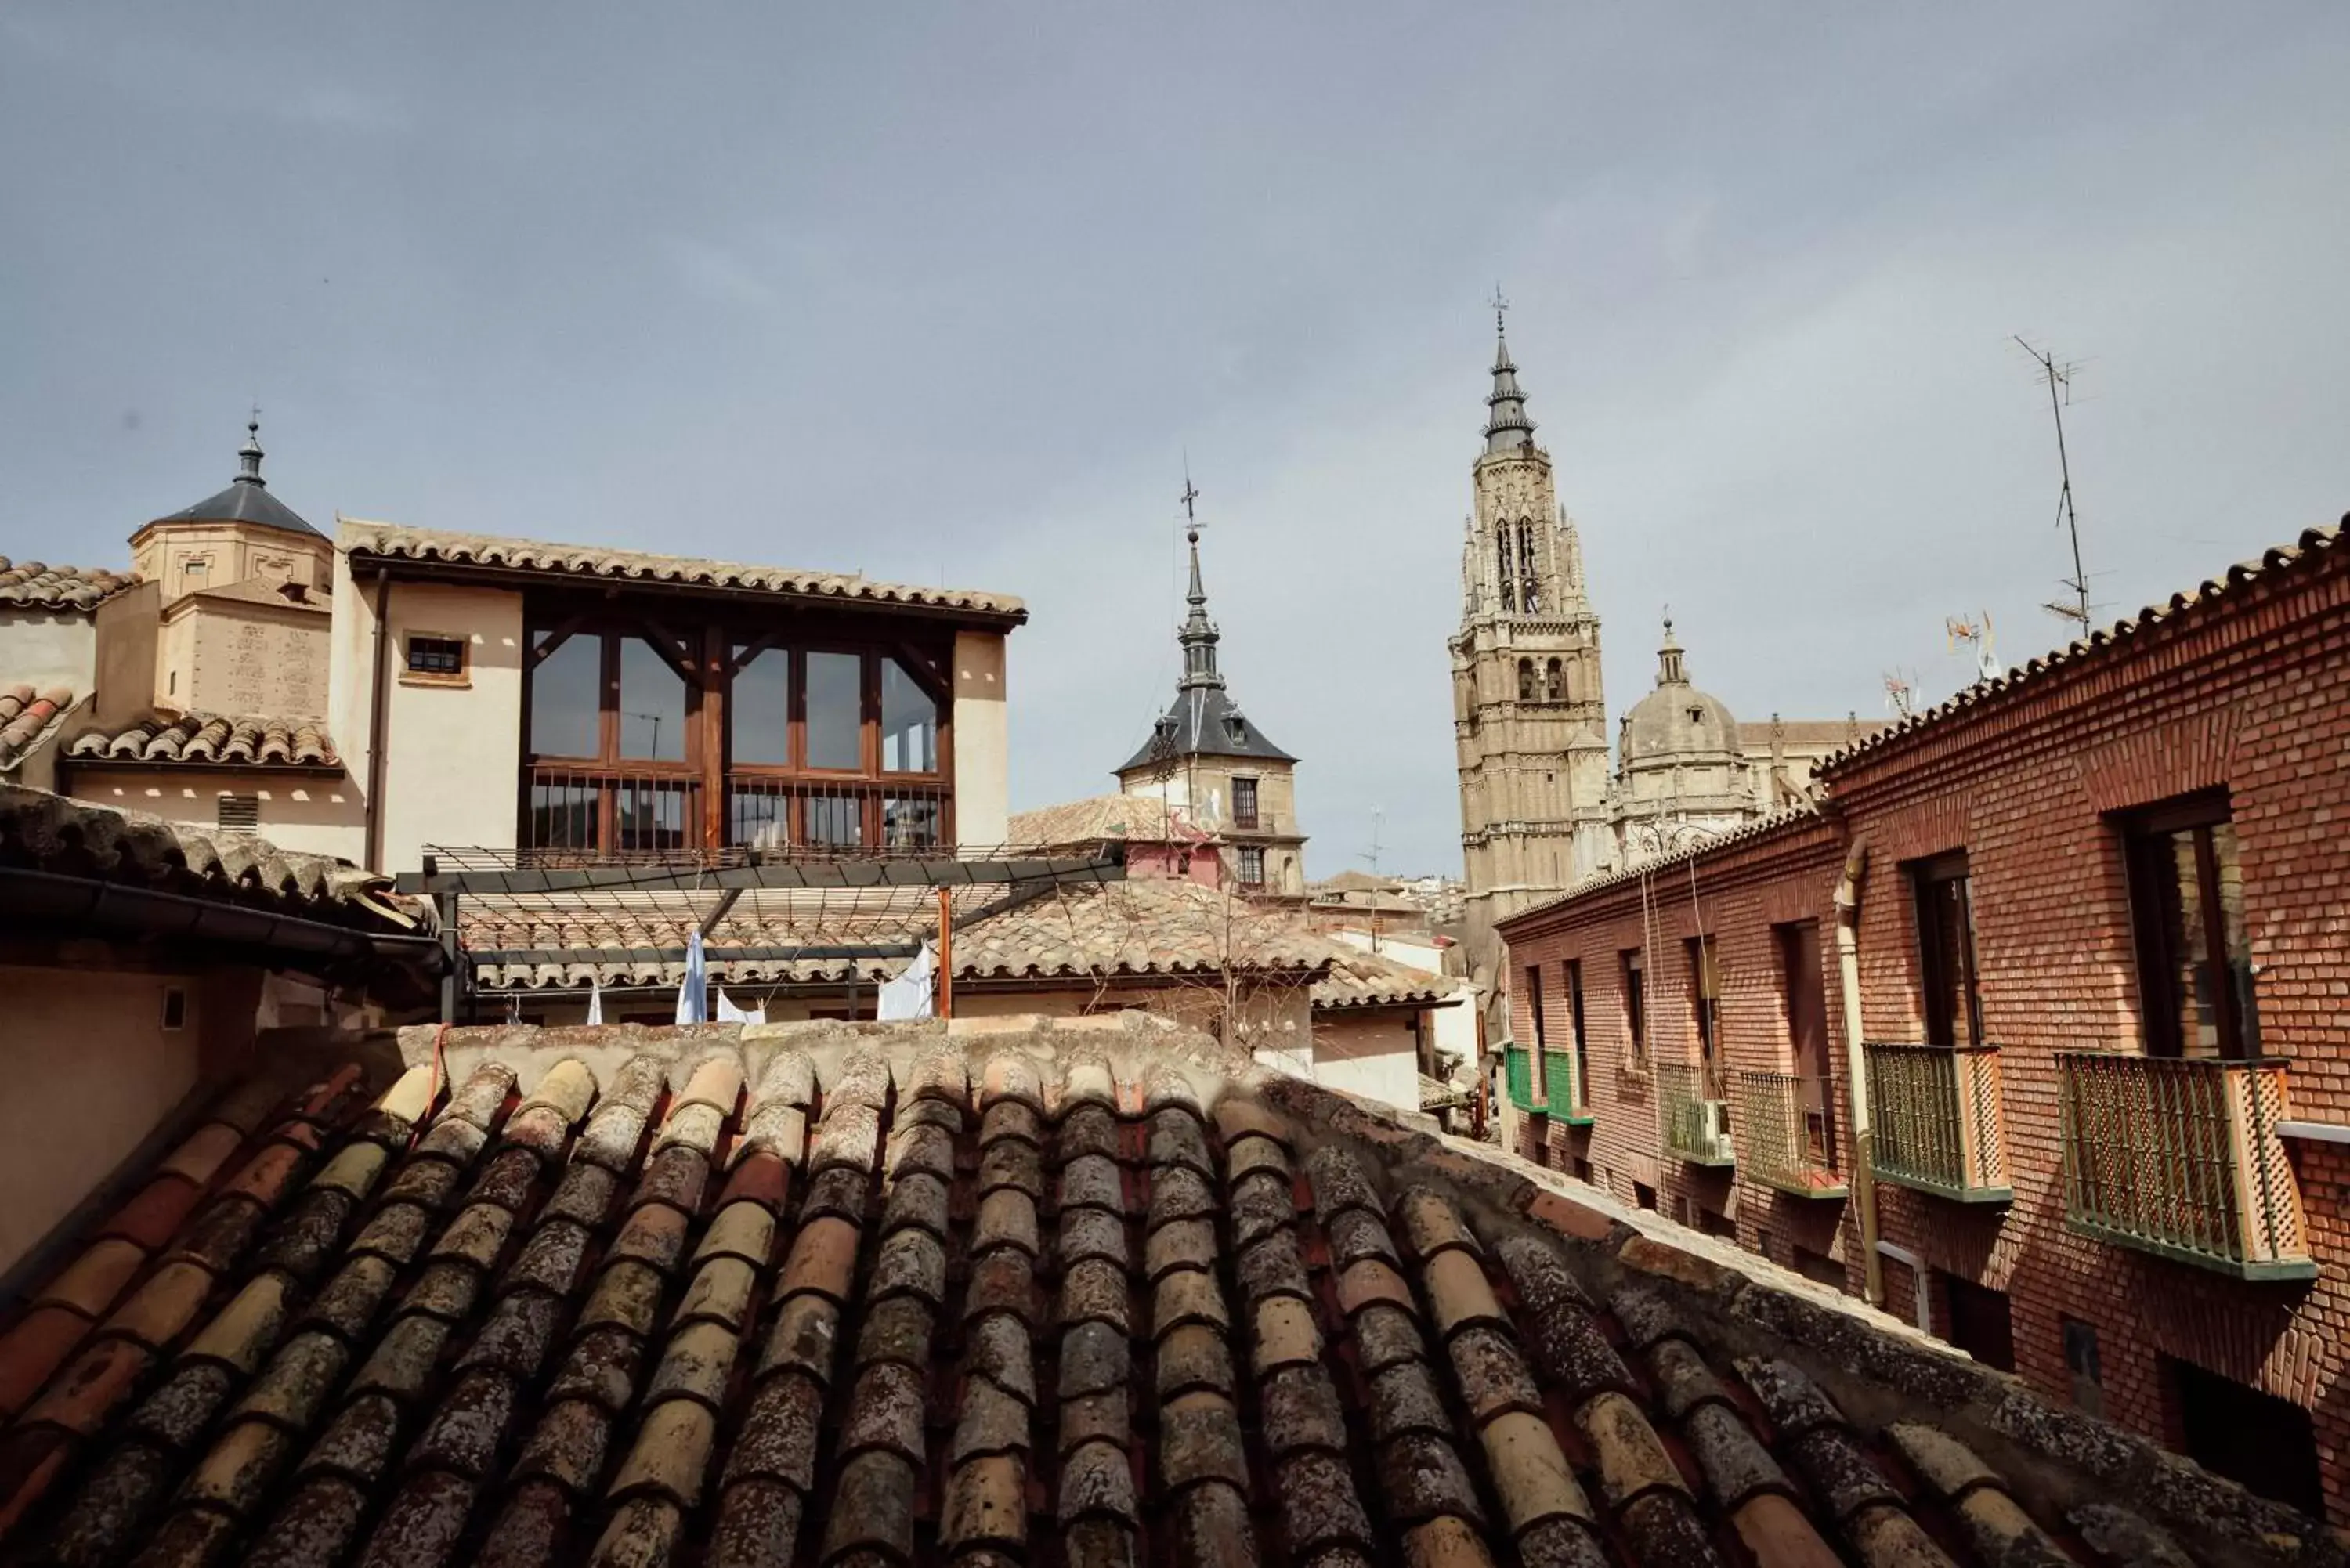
452,753
92,1072
1371,1056
310,814
42,649
983,742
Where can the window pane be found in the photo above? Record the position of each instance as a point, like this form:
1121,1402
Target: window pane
649,813
563,700
652,705
909,824
2182,908
836,712
2238,938
834,821
759,715
909,723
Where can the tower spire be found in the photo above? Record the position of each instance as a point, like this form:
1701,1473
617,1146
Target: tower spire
1507,426
1669,671
1198,634
248,456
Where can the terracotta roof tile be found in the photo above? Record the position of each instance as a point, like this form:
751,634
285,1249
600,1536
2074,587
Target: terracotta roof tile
34,585
393,542
210,741
959,1351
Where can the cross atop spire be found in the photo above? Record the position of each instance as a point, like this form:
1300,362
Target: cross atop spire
1199,634
1500,306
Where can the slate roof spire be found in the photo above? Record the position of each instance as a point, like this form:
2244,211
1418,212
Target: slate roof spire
1507,426
1198,636
247,498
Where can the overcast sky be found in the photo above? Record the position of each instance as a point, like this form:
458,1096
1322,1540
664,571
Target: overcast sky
943,293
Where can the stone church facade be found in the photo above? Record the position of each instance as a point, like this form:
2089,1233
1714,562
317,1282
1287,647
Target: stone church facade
1541,806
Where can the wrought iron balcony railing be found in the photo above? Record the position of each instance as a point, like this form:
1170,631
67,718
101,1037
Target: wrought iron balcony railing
1517,1067
1778,1143
1694,1128
1939,1126
1562,1100
2180,1157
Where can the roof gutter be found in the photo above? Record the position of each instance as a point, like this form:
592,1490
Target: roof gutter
78,904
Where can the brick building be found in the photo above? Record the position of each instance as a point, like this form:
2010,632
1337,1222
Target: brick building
2103,987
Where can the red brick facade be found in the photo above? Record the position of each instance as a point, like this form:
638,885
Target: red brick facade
2243,687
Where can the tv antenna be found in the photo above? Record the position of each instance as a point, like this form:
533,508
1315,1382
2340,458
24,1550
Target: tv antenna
1379,815
1977,632
1900,693
2061,376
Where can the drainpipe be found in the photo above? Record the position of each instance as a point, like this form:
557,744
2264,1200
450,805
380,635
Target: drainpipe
1864,1140
377,719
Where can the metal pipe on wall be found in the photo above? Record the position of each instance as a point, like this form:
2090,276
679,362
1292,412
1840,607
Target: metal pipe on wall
1864,1139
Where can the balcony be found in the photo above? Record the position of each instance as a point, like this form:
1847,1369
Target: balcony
2180,1157
1517,1071
1694,1128
1561,1101
1939,1123
1781,1142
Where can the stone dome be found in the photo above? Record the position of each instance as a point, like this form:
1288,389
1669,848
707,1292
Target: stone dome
1677,723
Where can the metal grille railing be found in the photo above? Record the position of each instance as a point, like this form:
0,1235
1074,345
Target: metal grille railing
1694,1128
1517,1067
771,814
1938,1120
582,812
2180,1157
1558,1088
1775,1137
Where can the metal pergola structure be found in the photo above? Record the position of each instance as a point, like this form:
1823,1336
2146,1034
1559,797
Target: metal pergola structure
511,911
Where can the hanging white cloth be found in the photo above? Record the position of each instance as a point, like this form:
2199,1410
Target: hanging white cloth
595,1000
730,1014
910,995
693,991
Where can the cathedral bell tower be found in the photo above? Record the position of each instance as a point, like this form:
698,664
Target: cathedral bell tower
1530,721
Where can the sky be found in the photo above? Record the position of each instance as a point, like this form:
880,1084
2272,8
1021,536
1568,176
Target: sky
952,293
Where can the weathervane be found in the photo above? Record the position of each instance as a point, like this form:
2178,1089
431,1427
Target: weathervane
1190,493
1500,306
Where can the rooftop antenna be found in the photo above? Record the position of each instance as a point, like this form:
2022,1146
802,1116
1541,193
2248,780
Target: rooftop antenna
2058,376
1962,628
1379,815
1900,693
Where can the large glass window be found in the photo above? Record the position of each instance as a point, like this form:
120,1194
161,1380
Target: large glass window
759,712
1946,952
652,705
2187,904
567,699
909,723
836,712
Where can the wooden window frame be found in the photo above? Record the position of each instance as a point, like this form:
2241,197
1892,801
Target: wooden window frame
708,653
463,676
1241,868
1249,818
1632,974
2145,835
1934,987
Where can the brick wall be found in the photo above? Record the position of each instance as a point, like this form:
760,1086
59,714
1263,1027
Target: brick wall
2247,689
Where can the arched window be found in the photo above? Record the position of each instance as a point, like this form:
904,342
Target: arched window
1507,576
1529,575
1526,680
1554,682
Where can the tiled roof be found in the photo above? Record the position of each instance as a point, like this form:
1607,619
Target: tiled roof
26,715
1105,818
1757,738
33,585
1145,927
1794,816
840,1299
391,542
2315,546
1358,979
212,740
43,832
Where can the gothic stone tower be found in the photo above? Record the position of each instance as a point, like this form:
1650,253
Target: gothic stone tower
1529,717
